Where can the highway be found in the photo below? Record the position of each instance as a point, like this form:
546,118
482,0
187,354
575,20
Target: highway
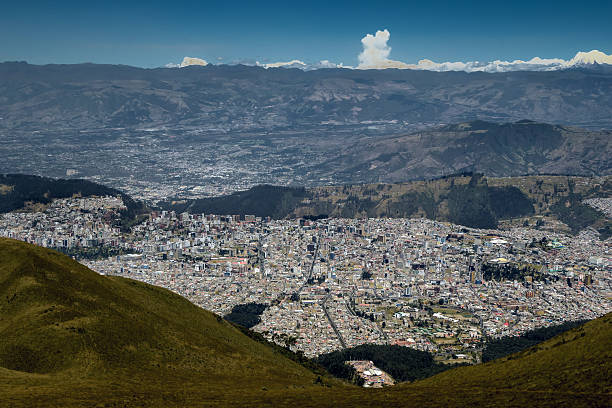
331,321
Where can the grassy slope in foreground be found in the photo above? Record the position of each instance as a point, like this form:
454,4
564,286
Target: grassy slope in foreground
571,369
66,329
69,337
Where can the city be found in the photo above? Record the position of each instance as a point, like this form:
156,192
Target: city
336,283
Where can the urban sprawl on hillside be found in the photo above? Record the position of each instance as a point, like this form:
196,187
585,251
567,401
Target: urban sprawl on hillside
335,283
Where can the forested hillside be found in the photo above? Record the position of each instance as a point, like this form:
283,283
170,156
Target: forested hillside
17,191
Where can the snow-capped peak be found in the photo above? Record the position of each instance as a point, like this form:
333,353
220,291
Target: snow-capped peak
591,57
289,64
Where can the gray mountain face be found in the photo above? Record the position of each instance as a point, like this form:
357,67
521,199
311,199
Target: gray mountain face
241,98
508,149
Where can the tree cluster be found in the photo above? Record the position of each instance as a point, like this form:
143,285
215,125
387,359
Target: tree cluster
247,314
402,363
498,348
509,271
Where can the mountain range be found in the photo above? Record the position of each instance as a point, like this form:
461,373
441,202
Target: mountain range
72,338
247,98
495,149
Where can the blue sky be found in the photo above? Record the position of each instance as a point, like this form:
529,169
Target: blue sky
152,33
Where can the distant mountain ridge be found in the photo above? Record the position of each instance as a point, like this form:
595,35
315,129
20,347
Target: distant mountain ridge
467,199
495,149
242,98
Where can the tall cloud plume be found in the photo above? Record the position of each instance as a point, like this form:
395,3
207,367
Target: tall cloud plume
375,54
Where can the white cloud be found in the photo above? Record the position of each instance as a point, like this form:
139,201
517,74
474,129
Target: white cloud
376,51
302,65
187,61
534,64
328,64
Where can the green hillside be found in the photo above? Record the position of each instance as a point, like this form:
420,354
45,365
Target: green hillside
72,338
68,333
571,369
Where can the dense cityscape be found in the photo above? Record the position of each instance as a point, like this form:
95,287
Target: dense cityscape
336,283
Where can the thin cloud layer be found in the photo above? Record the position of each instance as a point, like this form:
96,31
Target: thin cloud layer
376,51
289,64
303,65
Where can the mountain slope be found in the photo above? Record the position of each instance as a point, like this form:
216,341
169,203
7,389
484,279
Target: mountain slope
262,201
88,96
497,150
18,191
70,337
467,199
60,322
576,365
